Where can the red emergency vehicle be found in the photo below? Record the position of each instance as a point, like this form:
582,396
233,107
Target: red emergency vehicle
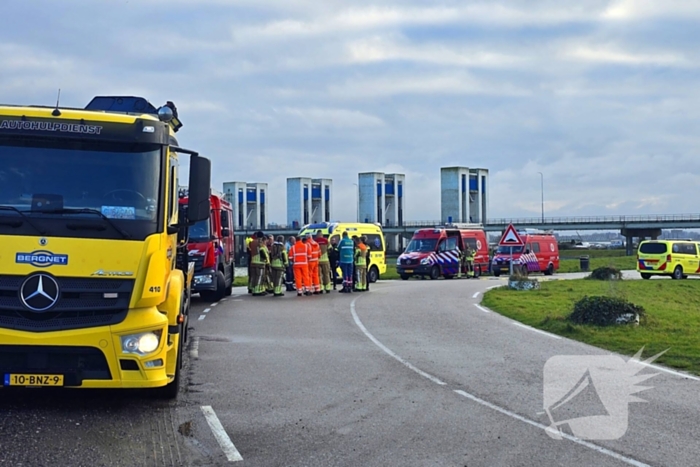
539,254
435,252
210,246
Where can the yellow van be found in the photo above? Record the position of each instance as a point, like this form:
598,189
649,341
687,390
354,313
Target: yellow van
375,241
675,258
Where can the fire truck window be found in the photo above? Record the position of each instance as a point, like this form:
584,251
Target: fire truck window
443,246
471,243
535,247
451,243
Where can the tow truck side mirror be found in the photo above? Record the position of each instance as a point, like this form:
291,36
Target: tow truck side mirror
198,208
225,233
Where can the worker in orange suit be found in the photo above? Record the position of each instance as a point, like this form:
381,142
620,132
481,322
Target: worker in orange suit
300,257
314,257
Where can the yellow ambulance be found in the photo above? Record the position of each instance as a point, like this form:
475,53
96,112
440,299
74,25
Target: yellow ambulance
675,258
375,241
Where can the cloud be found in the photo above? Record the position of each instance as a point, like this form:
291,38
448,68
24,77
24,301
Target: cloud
333,118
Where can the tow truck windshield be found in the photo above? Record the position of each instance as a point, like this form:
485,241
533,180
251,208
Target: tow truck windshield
74,188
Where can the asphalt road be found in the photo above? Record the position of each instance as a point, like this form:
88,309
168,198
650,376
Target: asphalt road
410,373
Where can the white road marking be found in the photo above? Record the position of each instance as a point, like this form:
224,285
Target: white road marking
493,287
220,434
485,310
213,304
194,348
506,412
576,440
475,295
201,317
524,326
677,373
386,350
237,300
206,310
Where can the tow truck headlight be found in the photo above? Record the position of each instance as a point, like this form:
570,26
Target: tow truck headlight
424,261
141,344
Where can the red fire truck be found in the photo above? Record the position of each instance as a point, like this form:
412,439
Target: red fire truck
211,248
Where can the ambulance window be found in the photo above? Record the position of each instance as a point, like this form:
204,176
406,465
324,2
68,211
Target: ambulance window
374,242
688,248
535,247
653,248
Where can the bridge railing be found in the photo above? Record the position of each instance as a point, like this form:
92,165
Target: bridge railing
548,221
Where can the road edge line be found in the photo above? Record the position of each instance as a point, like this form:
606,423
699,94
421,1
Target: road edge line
220,434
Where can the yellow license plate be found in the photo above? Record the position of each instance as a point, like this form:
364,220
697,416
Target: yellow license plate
408,271
33,380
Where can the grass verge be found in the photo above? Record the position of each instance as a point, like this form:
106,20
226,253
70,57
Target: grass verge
672,316
619,262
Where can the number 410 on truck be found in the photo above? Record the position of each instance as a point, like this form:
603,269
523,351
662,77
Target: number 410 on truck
95,281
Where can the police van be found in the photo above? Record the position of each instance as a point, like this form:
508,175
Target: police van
375,241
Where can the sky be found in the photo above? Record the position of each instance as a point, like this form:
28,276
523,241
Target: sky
600,96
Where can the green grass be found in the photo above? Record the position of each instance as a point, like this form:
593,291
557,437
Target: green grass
672,321
575,254
619,262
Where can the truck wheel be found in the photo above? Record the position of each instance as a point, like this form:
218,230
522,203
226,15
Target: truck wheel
171,390
218,294
496,272
646,275
373,275
435,272
477,270
405,276
229,288
550,270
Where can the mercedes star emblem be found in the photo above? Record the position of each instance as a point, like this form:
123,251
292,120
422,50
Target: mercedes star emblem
39,292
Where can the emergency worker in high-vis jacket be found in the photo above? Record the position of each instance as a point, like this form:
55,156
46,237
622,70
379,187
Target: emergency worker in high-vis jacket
361,265
278,263
258,264
300,256
249,249
314,256
324,264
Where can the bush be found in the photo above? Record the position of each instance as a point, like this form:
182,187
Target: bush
605,311
606,273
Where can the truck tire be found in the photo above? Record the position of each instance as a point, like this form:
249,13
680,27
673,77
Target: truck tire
229,288
646,275
218,294
477,270
435,272
677,273
405,276
550,270
496,272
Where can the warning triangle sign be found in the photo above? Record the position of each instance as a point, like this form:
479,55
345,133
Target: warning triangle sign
511,237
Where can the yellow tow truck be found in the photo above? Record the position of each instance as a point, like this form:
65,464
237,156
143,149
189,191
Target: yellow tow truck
95,280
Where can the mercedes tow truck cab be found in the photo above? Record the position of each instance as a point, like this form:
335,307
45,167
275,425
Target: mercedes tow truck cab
94,274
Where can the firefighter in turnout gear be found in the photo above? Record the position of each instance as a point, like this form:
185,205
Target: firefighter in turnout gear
249,243
361,265
300,257
363,239
314,256
269,283
258,264
324,264
469,258
279,262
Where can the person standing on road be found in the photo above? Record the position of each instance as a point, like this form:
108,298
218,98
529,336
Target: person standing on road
258,263
249,242
314,256
334,259
361,265
278,263
300,257
289,274
346,249
324,264
363,239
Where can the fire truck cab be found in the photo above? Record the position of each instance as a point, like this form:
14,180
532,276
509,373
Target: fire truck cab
540,254
210,246
435,252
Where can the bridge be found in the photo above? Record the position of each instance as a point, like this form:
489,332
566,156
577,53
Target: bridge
644,226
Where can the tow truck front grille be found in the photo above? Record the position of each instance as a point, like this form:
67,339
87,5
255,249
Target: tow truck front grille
82,303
